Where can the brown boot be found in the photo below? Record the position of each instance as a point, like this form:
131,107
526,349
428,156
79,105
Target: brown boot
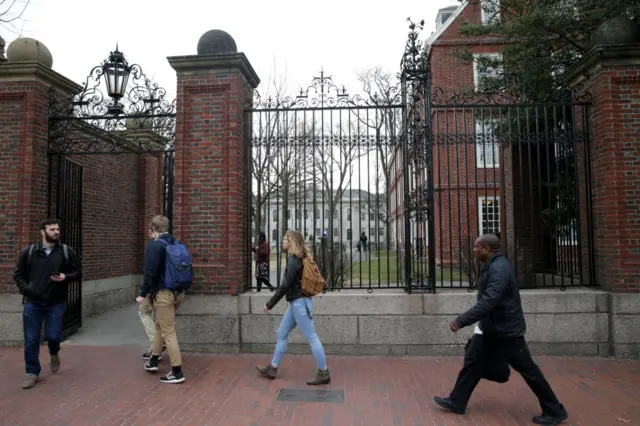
322,378
268,371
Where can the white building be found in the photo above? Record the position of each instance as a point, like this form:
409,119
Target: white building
354,214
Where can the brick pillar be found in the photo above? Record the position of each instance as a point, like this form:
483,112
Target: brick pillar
211,166
24,113
614,83
613,80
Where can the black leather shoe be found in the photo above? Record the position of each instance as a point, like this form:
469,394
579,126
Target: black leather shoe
547,420
447,404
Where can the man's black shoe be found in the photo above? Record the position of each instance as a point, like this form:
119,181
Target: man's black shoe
547,420
447,404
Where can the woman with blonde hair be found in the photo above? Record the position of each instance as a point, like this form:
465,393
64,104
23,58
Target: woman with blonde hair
298,313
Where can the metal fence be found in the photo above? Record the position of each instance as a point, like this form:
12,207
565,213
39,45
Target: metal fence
520,171
391,188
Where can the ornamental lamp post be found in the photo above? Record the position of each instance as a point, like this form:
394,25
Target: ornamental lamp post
116,73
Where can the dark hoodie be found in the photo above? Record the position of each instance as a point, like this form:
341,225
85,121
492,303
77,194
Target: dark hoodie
154,264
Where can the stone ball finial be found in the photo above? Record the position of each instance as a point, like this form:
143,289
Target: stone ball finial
216,42
25,49
620,30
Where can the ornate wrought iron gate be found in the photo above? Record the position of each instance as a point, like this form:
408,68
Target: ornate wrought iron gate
419,172
132,118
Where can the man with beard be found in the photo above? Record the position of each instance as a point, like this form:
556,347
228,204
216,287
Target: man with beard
42,275
501,319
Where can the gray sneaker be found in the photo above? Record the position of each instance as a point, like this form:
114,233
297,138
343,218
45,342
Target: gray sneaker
55,363
29,381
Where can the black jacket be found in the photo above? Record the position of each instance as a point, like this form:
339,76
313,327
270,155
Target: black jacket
291,286
499,308
34,279
154,264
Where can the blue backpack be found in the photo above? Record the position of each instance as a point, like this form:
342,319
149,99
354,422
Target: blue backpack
178,274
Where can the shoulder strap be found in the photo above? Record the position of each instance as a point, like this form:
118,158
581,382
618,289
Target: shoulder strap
32,248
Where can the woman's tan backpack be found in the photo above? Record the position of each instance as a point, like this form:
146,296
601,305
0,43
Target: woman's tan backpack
312,280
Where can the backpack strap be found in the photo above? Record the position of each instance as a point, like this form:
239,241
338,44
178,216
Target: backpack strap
32,248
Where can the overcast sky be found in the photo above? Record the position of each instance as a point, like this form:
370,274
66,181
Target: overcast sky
342,36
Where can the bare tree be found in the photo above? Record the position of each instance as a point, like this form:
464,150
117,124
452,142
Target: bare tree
382,90
11,11
266,147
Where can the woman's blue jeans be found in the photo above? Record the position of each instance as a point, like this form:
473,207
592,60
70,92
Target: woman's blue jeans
299,313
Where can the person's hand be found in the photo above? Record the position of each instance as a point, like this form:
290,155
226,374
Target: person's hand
140,299
454,326
266,310
58,278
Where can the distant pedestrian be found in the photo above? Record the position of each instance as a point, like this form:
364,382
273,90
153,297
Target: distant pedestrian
262,262
501,319
167,274
42,274
300,267
363,241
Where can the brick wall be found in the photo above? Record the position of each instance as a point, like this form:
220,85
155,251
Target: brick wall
120,195
120,192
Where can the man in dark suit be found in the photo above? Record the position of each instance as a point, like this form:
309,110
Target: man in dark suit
501,319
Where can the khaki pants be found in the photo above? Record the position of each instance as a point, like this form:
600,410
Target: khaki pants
146,317
166,305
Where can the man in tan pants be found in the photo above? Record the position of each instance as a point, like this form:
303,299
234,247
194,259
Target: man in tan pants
164,301
145,311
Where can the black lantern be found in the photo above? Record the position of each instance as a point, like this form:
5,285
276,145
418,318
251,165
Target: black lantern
116,73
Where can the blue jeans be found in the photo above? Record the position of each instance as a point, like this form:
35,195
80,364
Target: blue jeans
32,317
299,313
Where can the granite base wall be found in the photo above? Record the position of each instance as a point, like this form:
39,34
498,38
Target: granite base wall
573,322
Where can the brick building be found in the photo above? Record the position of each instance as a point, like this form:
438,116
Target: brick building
466,175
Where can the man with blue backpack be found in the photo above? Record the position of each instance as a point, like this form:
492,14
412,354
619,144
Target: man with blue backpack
167,274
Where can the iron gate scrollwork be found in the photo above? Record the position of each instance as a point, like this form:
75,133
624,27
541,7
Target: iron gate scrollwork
420,257
118,111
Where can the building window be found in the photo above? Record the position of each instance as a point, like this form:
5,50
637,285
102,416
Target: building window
482,73
489,214
306,214
490,11
275,215
487,151
348,215
349,234
274,235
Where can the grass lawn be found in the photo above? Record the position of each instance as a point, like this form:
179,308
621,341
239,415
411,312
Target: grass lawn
385,270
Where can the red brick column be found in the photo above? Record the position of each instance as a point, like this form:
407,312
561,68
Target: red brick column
24,113
614,83
211,175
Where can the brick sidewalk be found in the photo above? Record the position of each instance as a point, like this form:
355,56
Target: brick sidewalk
107,386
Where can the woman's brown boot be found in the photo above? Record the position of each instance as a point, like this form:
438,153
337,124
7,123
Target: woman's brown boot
268,371
322,378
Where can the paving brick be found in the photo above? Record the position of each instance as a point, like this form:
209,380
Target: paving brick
107,386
